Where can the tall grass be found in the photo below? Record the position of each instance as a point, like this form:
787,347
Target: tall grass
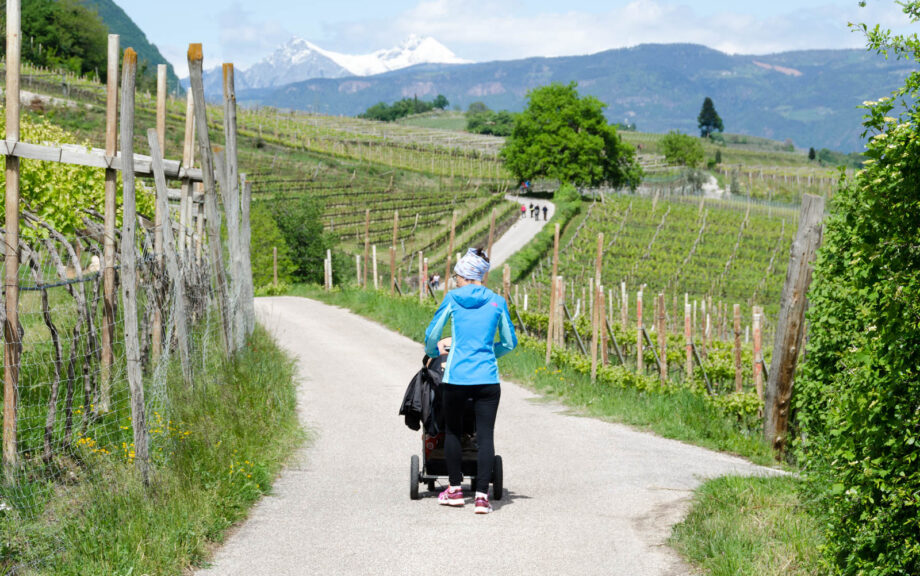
225,440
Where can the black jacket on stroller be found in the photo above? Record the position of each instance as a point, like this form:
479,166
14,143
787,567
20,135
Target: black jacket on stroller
421,404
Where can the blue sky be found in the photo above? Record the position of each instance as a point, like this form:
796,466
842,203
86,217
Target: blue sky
245,31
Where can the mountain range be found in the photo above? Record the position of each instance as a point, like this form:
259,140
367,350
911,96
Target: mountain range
298,60
809,97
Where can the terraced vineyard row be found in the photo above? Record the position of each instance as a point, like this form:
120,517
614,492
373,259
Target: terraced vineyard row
709,249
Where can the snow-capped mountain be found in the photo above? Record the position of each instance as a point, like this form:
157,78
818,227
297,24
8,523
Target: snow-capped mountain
298,60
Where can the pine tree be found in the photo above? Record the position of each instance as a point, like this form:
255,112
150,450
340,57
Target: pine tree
708,119
811,153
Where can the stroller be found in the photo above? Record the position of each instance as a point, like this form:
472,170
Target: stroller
433,464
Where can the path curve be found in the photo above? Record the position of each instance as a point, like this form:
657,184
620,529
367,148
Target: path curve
521,232
582,496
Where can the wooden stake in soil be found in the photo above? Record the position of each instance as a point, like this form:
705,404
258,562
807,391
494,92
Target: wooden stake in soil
489,248
275,265
188,159
688,342
506,282
422,278
195,60
758,352
640,359
450,251
790,327
596,313
736,310
624,307
129,270
662,339
12,345
551,317
367,243
393,252
374,257
108,243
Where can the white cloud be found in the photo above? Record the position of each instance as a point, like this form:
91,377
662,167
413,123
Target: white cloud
244,39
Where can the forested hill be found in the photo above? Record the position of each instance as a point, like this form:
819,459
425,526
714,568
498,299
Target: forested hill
809,97
118,22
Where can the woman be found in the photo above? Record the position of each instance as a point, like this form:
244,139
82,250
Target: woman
471,370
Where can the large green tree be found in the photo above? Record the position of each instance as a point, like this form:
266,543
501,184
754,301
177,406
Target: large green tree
858,399
709,120
563,136
682,149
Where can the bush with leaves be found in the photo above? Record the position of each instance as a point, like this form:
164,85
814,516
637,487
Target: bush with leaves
266,237
300,221
858,397
682,149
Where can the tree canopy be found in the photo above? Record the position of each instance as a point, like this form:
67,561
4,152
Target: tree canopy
682,149
709,120
563,136
402,108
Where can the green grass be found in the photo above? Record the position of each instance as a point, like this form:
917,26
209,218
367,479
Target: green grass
677,413
228,437
755,526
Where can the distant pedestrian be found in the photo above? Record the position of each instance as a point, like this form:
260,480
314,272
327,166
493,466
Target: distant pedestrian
523,211
544,212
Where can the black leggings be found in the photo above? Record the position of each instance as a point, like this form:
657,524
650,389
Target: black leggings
485,407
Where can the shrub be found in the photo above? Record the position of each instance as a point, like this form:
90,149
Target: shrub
300,222
265,236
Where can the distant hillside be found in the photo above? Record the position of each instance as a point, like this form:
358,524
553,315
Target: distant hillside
809,97
132,36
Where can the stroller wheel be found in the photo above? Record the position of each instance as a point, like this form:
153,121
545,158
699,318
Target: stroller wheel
497,478
413,477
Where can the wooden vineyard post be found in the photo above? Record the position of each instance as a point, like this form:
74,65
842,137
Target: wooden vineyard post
551,317
688,342
199,221
367,244
11,339
603,323
597,289
129,266
374,258
248,289
790,327
393,252
231,198
624,307
422,277
506,282
758,351
107,356
195,61
640,359
662,339
358,269
489,248
736,310
188,159
559,330
156,341
450,251
275,265
172,260
425,275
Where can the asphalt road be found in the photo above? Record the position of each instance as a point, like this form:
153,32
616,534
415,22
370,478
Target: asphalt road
582,496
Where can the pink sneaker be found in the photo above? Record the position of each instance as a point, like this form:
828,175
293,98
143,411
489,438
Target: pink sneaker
482,505
451,497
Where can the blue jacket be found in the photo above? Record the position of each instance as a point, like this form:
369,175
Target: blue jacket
475,313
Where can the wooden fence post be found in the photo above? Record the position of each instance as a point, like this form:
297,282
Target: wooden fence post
506,282
11,338
108,243
559,330
688,341
172,261
662,339
188,160
195,61
790,327
551,317
231,198
248,290
603,323
450,251
129,264
640,358
422,277
367,244
736,310
624,307
393,252
358,269
374,257
758,352
425,274
595,311
489,248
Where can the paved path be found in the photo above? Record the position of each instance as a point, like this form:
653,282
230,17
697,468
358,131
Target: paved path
521,232
582,496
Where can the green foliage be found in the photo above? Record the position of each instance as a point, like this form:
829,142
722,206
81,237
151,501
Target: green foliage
565,137
300,221
440,102
718,158
488,122
477,108
400,109
682,149
858,399
266,236
568,203
62,34
811,154
709,120
59,192
833,158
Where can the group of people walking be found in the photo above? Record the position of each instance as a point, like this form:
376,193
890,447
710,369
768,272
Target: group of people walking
534,211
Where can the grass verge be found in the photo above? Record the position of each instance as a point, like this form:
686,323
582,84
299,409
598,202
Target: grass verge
225,441
755,526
